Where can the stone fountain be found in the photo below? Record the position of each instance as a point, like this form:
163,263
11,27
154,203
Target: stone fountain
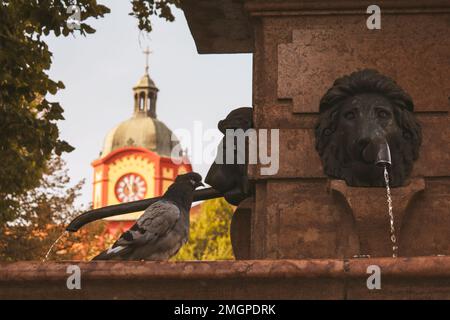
300,48
313,229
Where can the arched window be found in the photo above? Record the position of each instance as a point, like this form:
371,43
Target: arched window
141,101
149,103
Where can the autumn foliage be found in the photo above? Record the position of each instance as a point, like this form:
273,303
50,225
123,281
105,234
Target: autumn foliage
41,217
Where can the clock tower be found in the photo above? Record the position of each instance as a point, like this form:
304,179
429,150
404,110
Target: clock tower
136,161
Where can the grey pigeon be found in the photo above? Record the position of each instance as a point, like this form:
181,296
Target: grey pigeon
163,227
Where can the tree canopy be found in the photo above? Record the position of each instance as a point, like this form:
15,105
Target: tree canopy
40,221
144,9
210,233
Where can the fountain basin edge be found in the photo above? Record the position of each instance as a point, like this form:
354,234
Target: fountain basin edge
401,278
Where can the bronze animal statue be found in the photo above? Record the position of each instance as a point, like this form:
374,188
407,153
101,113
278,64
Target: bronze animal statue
231,179
359,113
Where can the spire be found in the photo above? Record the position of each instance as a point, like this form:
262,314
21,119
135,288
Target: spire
147,53
145,92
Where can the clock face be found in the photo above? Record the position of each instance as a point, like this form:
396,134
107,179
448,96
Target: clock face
130,187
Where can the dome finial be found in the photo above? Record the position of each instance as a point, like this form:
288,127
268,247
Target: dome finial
145,93
147,53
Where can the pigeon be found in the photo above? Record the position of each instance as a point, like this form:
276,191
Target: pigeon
163,227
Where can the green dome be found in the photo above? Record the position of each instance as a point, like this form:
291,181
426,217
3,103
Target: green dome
140,131
143,129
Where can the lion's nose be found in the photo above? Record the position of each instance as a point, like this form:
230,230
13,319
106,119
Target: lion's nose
366,150
375,152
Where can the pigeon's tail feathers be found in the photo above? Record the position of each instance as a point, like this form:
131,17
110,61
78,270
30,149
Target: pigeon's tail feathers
102,256
114,253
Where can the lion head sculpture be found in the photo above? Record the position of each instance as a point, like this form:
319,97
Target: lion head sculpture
358,112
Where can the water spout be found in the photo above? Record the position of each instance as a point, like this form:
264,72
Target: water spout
383,158
128,207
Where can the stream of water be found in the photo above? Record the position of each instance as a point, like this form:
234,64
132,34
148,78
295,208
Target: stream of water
391,214
52,246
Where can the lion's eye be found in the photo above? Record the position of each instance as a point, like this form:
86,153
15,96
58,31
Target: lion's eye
383,114
349,115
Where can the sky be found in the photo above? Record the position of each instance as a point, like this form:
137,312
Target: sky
99,71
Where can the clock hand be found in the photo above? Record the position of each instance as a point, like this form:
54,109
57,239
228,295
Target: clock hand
131,183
